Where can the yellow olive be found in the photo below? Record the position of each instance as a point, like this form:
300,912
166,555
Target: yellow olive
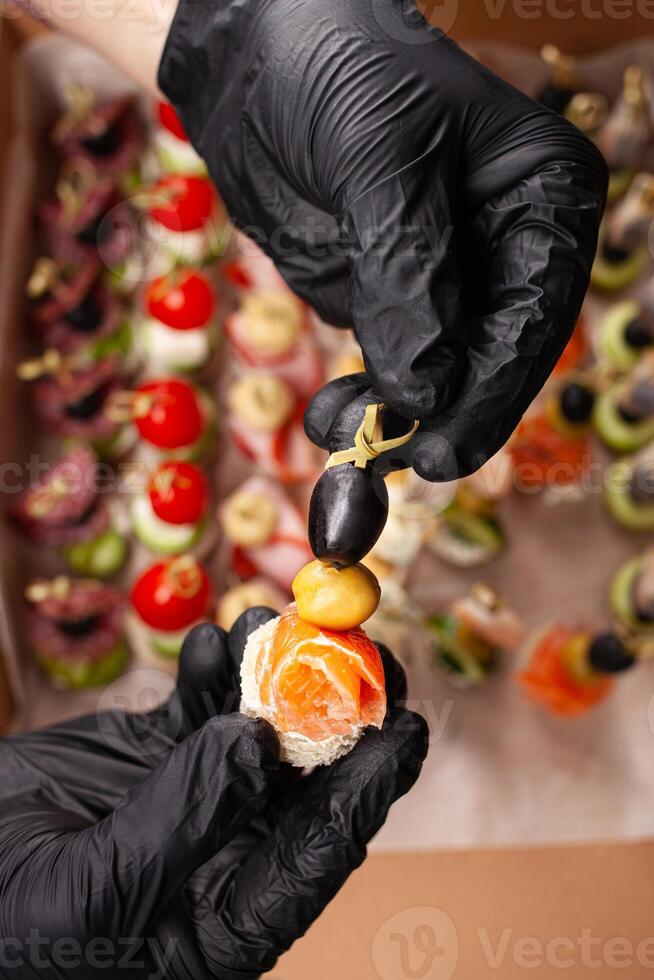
333,598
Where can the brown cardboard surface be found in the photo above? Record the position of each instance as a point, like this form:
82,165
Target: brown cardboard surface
546,913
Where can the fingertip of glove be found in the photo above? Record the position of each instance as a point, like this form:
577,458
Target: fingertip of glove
325,406
396,683
250,742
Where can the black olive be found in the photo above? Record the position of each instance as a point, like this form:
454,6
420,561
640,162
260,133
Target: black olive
577,402
96,232
555,98
636,335
348,511
86,316
627,415
88,406
104,143
79,627
608,654
614,253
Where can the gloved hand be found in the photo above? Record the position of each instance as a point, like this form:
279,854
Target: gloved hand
401,187
173,843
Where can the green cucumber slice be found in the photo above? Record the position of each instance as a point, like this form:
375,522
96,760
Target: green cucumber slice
85,674
162,538
620,597
167,644
477,530
613,430
100,558
619,181
626,511
611,341
612,276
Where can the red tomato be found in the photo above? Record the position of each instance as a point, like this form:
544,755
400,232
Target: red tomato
170,121
183,300
171,595
186,203
179,493
174,417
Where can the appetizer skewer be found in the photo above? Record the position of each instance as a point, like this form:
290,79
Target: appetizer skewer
629,491
468,638
172,146
65,511
179,331
622,250
109,135
76,629
627,330
170,516
168,599
626,132
624,412
185,218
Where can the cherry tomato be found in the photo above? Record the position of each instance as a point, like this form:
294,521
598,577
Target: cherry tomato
183,300
234,273
171,595
170,121
183,203
178,493
174,418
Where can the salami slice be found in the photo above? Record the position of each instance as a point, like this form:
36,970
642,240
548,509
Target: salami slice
110,136
72,403
84,624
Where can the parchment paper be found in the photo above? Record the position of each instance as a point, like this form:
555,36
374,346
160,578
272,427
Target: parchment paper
499,771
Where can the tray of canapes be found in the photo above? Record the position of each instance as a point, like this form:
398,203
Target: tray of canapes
156,369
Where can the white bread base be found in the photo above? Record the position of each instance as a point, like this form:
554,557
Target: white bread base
296,749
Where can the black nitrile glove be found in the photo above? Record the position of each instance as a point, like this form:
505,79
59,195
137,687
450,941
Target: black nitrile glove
173,844
403,188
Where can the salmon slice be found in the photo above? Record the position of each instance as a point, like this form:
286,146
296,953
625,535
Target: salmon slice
319,682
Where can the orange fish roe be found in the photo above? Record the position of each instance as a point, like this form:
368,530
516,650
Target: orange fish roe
547,680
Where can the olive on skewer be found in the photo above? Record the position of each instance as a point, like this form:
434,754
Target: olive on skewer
622,250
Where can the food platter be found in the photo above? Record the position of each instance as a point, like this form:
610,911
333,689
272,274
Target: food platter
499,771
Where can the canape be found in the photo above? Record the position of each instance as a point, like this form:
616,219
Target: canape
319,681
170,516
71,395
184,218
629,491
266,531
265,421
77,631
86,216
569,671
179,330
468,530
109,135
551,448
622,250
172,146
173,419
627,330
270,330
632,593
468,638
75,311
624,412
626,132
250,268
64,510
168,599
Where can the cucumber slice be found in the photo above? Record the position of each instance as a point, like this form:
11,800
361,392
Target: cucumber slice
612,276
621,505
611,341
168,644
100,558
621,600
180,159
474,529
451,654
119,342
78,676
619,435
159,536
